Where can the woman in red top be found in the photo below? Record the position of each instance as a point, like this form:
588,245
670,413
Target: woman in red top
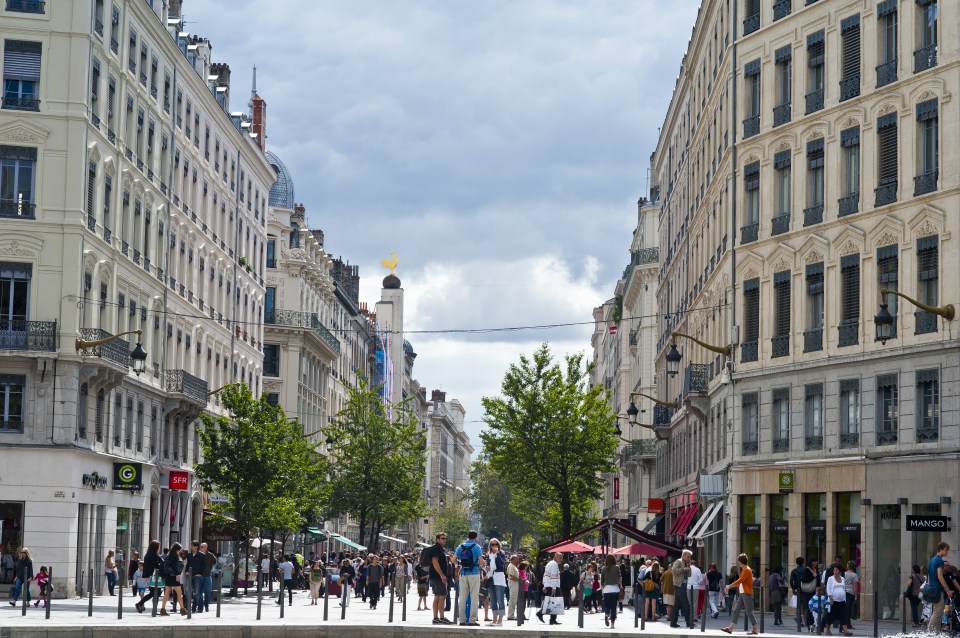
745,599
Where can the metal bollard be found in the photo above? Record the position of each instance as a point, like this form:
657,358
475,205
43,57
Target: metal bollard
761,610
326,597
259,596
876,614
580,612
638,609
903,616
187,591
90,593
343,597
643,616
456,604
703,616
521,605
406,594
219,590
48,592
120,599
281,597
393,587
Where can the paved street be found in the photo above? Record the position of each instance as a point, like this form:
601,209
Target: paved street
243,612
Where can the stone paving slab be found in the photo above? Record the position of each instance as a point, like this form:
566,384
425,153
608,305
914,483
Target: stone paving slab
69,619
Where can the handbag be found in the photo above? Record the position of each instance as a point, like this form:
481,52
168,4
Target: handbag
793,601
155,581
553,606
622,594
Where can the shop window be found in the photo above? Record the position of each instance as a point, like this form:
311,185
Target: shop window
815,525
750,529
11,536
779,553
889,525
847,516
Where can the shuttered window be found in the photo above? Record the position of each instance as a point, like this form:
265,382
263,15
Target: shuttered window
781,293
91,186
928,125
850,145
21,60
849,407
850,289
95,82
751,422
887,149
887,408
751,309
928,271
850,32
928,405
814,277
107,191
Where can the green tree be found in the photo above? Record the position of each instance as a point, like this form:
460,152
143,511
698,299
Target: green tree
379,463
491,498
454,519
260,461
549,435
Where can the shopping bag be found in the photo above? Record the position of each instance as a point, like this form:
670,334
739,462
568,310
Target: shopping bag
793,601
553,606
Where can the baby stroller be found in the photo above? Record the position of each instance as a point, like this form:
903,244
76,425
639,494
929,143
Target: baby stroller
951,616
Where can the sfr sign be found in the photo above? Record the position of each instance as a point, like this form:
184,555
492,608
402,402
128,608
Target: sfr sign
179,480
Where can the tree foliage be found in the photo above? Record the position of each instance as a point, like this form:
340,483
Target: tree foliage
548,436
256,458
379,463
491,498
454,519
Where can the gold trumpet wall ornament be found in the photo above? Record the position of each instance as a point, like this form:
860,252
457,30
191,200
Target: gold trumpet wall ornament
390,264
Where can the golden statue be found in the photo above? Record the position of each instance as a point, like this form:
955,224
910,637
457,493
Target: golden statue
390,264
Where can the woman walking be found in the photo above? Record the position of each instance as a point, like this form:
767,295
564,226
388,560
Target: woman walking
586,588
837,594
914,583
151,563
497,585
744,584
316,578
612,587
110,571
172,569
775,587
714,585
651,591
24,572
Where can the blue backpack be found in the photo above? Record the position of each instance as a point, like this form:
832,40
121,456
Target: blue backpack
466,558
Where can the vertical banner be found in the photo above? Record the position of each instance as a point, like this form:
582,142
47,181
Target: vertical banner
616,488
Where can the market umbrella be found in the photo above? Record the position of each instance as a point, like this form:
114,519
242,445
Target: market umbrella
573,547
638,549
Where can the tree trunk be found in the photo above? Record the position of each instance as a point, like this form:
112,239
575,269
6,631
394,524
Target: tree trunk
566,516
363,525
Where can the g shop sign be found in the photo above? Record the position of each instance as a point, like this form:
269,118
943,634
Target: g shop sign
917,523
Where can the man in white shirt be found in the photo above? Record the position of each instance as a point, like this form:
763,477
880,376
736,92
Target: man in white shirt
513,583
265,571
696,586
286,573
551,583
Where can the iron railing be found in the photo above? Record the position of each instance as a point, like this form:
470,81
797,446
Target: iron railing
813,340
751,24
813,442
812,215
848,204
781,445
849,439
662,415
637,450
926,322
925,434
116,351
749,351
781,9
886,437
814,101
21,103
780,224
751,126
696,378
780,345
182,382
18,334
926,183
17,209
925,58
849,334
26,6
885,194
849,87
298,319
781,114
887,73
749,233
750,447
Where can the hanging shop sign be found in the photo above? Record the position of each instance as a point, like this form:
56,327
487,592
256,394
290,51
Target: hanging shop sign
179,480
918,523
655,505
848,528
128,476
94,480
785,481
616,488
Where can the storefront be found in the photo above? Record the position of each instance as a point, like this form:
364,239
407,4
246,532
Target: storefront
847,515
815,526
779,543
750,529
11,538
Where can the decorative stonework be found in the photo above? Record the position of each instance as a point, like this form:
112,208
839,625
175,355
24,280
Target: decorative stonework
815,135
887,238
19,135
783,145
849,248
925,95
13,248
886,108
781,264
925,229
750,273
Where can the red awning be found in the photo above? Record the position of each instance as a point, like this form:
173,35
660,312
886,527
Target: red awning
681,515
639,549
685,521
573,547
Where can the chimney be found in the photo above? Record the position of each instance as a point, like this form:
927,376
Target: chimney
222,71
438,396
174,8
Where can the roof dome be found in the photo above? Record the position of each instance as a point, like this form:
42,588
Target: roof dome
281,193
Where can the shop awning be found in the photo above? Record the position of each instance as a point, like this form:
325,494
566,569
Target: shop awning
706,514
349,543
706,521
391,538
652,525
318,534
685,519
623,528
678,520
422,544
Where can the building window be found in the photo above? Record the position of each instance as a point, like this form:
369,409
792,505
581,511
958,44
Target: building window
783,57
928,150
273,399
269,311
928,405
816,76
849,203
271,360
781,420
887,29
271,253
849,412
928,279
888,267
17,171
751,423
781,221
887,409
781,309
813,213
132,52
751,317
21,75
751,183
781,9
11,392
886,192
100,415
813,416
850,67
95,88
813,335
925,57
25,6
751,9
849,300
751,124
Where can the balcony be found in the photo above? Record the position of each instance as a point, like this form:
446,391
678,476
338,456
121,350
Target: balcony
813,215
749,351
750,448
813,340
781,114
925,322
886,437
662,415
182,382
751,126
926,183
16,210
849,87
849,334
813,442
780,224
638,450
26,6
927,433
18,334
751,24
297,319
848,204
647,256
925,58
849,439
781,9
780,345
116,351
781,445
885,194
696,378
749,233
24,103
887,73
814,101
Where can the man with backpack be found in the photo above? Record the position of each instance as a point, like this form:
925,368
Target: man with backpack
469,558
803,582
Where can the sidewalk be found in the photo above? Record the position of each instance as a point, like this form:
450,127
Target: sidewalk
242,612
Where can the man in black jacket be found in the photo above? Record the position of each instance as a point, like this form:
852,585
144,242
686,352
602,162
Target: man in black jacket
568,580
800,575
195,563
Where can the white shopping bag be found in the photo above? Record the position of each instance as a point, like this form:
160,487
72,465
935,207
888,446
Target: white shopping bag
553,606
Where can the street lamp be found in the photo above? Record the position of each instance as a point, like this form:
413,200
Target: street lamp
673,356
673,360
138,355
667,404
884,320
632,413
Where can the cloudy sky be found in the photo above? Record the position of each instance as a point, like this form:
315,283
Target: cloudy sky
498,146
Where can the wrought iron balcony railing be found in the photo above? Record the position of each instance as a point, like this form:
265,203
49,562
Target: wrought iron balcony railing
749,233
848,204
696,378
749,351
751,126
849,439
782,114
926,183
21,103
18,334
887,73
116,351
925,58
813,340
849,334
182,382
926,322
17,210
886,437
780,345
886,194
814,101
298,319
26,6
849,87
780,224
813,215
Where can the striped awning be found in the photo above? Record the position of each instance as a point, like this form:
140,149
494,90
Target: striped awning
391,538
